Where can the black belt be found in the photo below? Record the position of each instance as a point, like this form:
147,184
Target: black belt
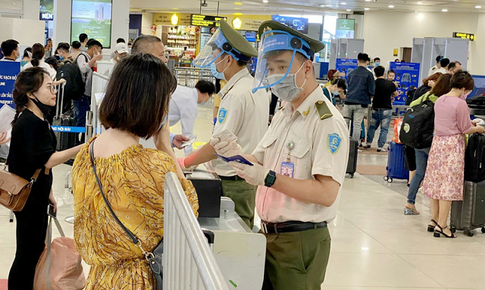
233,178
290,226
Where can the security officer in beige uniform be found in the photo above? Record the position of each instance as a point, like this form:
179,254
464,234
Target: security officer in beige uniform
300,163
242,112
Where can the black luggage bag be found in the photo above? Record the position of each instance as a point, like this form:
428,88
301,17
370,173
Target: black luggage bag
353,152
65,140
475,158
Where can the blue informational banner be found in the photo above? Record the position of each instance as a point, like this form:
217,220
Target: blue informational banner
407,74
8,74
346,66
68,129
298,24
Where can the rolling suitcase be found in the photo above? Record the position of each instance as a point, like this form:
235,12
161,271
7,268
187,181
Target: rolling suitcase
469,214
353,152
475,158
396,168
65,140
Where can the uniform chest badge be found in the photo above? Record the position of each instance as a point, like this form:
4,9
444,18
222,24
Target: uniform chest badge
222,115
334,141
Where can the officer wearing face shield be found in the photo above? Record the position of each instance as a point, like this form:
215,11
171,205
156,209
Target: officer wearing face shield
243,113
300,163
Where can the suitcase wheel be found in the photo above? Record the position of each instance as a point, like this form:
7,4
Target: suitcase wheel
352,176
483,230
453,229
389,180
468,233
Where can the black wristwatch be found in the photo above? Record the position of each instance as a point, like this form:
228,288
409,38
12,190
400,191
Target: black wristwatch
270,179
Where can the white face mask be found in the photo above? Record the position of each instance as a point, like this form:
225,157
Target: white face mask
287,90
221,74
465,95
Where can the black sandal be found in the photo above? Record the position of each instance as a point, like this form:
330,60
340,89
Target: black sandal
437,234
430,227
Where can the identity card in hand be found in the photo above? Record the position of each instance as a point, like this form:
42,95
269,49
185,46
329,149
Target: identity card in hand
235,158
225,135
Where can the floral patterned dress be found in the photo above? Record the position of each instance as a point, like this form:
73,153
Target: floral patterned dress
133,181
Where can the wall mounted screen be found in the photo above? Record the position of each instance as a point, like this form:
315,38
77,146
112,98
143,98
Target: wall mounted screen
92,17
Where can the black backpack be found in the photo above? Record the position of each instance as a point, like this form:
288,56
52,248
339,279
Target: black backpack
475,158
418,125
75,86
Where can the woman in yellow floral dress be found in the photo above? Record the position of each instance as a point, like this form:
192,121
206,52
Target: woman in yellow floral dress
135,106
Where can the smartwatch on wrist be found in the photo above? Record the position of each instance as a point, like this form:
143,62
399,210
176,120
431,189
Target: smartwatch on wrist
270,179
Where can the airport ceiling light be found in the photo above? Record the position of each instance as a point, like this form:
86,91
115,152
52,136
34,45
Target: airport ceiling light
236,23
175,19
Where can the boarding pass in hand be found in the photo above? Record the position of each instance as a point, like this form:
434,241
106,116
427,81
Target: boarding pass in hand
225,135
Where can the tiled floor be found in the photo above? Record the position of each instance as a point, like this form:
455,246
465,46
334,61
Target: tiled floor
374,246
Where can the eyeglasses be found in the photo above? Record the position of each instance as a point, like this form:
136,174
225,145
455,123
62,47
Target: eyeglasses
53,89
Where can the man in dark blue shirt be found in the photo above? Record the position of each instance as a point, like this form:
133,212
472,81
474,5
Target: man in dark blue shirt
361,89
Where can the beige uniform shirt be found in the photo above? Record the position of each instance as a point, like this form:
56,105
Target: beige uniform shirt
320,148
243,113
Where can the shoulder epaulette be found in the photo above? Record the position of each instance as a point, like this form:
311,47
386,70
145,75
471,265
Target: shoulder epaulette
323,110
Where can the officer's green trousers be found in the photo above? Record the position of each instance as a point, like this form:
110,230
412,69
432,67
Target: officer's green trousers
296,260
243,195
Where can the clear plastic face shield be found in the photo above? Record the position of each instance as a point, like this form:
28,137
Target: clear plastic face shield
276,55
214,49
211,51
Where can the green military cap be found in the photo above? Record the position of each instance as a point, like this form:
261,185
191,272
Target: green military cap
269,25
237,41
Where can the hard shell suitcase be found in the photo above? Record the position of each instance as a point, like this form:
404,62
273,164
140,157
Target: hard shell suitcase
353,152
65,140
469,214
396,168
475,158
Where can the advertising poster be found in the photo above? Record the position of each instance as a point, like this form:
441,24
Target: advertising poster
8,74
299,24
345,28
346,66
92,17
407,74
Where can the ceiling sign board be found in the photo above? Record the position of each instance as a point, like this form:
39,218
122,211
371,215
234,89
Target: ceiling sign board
464,35
205,20
299,24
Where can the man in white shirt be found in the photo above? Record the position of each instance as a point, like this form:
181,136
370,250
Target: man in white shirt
84,39
121,51
435,68
242,112
183,107
86,61
10,49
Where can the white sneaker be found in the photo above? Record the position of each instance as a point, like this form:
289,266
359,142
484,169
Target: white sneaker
381,150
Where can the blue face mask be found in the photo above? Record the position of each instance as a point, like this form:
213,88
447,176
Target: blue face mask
60,57
215,73
163,123
378,63
336,93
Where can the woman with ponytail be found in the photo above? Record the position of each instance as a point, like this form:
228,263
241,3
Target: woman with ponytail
33,146
37,60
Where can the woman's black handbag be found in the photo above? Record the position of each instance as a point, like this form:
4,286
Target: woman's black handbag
154,257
